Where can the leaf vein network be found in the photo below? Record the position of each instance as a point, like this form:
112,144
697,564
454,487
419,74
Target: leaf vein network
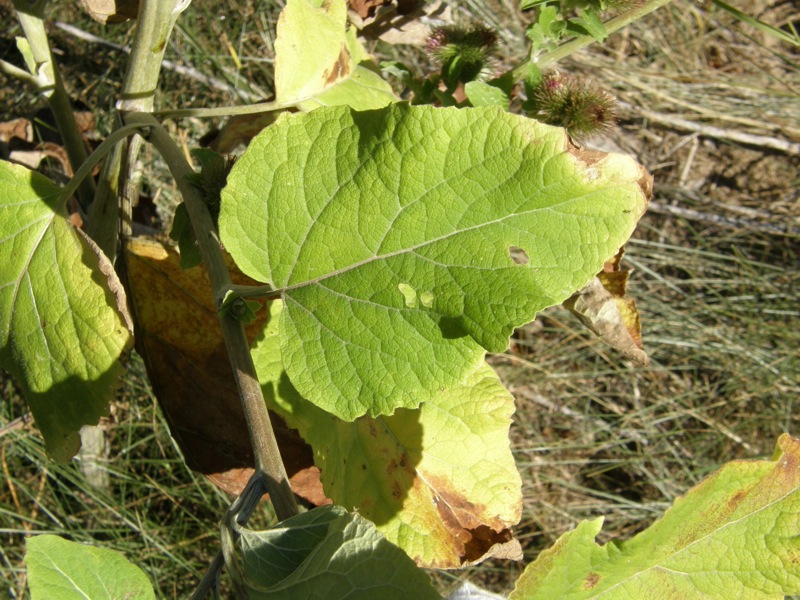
328,203
24,271
337,336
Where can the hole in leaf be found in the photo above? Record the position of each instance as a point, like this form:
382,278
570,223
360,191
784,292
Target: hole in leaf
518,255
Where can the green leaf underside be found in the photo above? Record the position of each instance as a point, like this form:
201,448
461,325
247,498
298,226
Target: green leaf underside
429,478
61,334
328,553
345,211
734,535
328,68
58,568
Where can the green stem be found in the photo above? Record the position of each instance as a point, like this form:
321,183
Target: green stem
223,111
262,436
46,78
572,46
264,292
155,22
99,154
20,74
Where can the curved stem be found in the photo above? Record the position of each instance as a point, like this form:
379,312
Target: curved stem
572,46
99,154
111,211
262,436
209,580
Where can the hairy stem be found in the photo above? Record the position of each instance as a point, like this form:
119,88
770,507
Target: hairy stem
262,436
47,80
573,45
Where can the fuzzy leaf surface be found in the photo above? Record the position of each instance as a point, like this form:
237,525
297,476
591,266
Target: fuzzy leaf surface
439,481
329,68
328,553
483,217
59,568
734,535
62,320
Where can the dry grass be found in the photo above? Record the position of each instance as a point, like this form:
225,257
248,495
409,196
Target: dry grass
593,435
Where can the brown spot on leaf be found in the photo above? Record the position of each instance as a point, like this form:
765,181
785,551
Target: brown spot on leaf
591,580
339,70
475,537
584,155
397,491
736,499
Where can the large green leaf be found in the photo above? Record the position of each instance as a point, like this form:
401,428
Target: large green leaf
735,535
439,481
58,568
61,329
327,553
327,68
407,240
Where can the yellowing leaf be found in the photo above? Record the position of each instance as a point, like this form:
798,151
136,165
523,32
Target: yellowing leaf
179,336
603,307
111,11
734,535
327,68
63,319
438,481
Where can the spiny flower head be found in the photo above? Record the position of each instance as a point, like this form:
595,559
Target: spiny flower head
581,107
463,52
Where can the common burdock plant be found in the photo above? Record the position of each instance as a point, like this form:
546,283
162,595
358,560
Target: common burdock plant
389,248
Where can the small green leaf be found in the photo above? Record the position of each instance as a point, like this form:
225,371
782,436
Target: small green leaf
62,329
547,30
528,4
327,553
335,208
329,68
547,18
183,233
439,481
734,535
589,23
396,69
483,94
58,568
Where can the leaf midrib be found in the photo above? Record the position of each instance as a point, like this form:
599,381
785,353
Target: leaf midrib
388,255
